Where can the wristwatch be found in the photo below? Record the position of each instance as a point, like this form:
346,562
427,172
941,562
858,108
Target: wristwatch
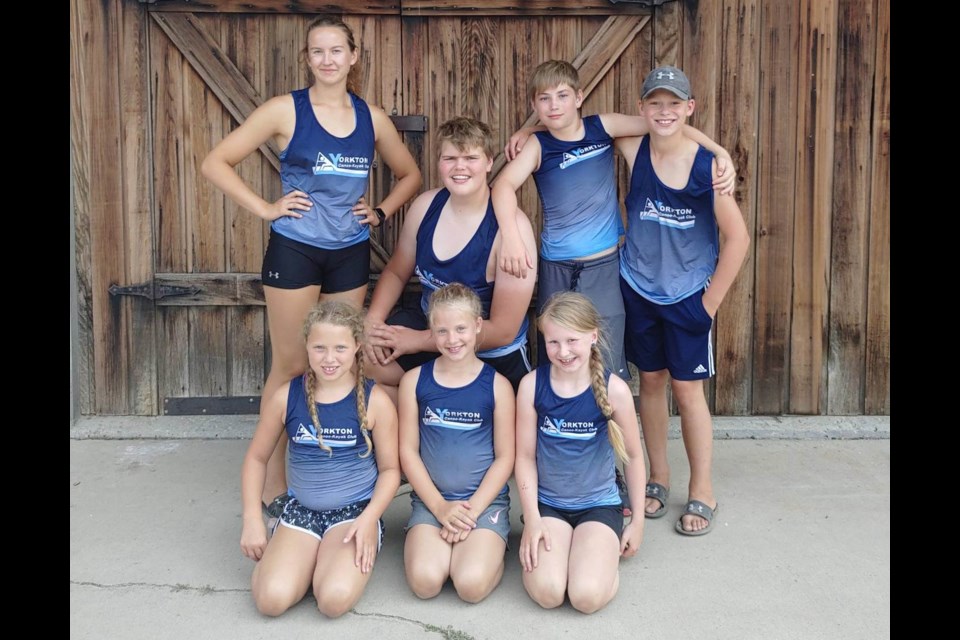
380,214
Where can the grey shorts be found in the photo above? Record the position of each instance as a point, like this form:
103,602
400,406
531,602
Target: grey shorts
316,523
599,280
496,517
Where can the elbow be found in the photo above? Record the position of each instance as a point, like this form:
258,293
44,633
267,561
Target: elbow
206,167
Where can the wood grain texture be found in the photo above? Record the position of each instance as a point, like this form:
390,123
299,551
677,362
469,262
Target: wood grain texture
668,35
480,79
207,355
173,375
426,8
877,366
776,176
739,92
138,323
856,29
81,120
814,195
374,7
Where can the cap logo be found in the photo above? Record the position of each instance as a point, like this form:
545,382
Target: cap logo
662,74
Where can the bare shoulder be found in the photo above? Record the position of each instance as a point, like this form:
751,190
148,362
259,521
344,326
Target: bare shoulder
618,390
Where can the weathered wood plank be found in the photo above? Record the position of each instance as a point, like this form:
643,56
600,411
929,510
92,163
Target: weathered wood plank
81,122
204,202
445,73
173,328
480,82
367,7
814,199
138,321
415,79
201,50
245,352
389,51
207,359
212,289
776,177
603,96
513,8
167,91
856,29
668,35
738,96
97,26
877,366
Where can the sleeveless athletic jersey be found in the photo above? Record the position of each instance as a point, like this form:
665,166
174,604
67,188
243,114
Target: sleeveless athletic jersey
578,192
575,460
332,171
467,267
456,431
317,479
672,236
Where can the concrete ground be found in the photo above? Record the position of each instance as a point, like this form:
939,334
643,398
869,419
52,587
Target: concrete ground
800,550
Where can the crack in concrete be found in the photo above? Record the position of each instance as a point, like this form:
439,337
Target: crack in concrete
172,587
448,632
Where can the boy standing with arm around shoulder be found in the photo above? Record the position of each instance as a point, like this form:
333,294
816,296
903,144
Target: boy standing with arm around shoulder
572,162
674,275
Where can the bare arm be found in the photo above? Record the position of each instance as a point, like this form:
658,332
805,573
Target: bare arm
274,119
253,538
525,471
514,258
734,242
511,296
395,153
625,415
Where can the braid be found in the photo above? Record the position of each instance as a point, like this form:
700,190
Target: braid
309,385
362,404
597,381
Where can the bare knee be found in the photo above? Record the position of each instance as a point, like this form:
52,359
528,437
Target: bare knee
653,380
335,600
588,598
424,583
475,584
274,596
548,595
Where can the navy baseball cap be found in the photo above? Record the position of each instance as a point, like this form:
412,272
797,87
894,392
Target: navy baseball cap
669,78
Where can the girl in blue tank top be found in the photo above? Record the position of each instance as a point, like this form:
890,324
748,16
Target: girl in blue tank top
573,419
318,249
344,472
457,451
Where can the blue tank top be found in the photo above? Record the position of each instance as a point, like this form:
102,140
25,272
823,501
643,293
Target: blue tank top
578,191
672,240
332,171
319,480
456,431
575,460
468,267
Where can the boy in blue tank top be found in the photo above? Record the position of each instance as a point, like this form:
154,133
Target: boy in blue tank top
674,273
457,450
451,234
571,160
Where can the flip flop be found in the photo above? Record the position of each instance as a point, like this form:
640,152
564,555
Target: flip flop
697,508
660,493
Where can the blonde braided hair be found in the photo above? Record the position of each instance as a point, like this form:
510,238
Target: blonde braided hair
575,312
339,314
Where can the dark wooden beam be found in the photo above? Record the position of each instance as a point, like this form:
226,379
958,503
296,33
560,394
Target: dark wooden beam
366,7
412,8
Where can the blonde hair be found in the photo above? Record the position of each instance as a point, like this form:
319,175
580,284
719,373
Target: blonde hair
353,77
553,73
339,314
466,133
575,312
456,295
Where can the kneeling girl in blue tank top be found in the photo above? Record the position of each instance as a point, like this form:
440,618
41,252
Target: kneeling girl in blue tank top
457,451
344,469
573,420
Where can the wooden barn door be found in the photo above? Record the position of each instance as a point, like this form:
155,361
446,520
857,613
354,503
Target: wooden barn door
209,68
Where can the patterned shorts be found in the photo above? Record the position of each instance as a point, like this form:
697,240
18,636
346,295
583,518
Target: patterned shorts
316,523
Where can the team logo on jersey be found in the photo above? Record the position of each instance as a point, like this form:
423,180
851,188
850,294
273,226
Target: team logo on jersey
581,154
667,215
560,428
333,437
450,419
338,164
428,279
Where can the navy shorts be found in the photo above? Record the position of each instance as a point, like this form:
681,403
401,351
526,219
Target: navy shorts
610,515
316,523
512,366
290,264
669,336
596,279
496,517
